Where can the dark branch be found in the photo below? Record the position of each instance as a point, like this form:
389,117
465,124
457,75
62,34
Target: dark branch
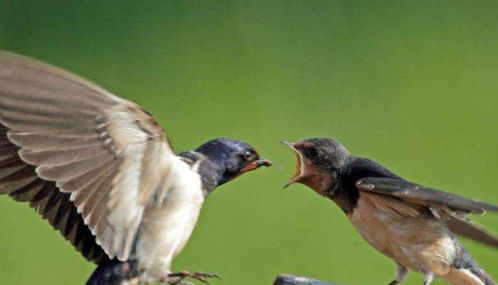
285,279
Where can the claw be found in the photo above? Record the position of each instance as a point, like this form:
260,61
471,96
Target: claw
203,277
175,280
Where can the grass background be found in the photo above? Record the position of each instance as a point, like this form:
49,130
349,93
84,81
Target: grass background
411,84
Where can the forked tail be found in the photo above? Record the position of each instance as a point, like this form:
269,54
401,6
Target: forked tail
466,272
114,272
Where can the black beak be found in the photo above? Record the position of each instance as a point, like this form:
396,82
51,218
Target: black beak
263,162
255,165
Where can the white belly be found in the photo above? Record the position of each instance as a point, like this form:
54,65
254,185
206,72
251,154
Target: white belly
166,228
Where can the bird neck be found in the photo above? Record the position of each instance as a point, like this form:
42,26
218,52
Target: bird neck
212,172
344,193
345,197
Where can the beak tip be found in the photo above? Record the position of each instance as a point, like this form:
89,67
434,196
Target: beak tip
287,185
265,162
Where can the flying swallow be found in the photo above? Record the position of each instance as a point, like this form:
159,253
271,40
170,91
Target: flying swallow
409,223
101,170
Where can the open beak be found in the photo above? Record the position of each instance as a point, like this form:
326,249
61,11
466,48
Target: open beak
255,165
299,165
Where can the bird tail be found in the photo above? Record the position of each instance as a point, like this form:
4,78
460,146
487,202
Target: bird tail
486,278
114,272
465,271
468,277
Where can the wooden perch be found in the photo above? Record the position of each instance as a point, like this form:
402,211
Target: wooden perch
285,279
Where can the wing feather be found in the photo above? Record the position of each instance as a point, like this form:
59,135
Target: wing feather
23,67
86,160
67,172
19,173
471,230
27,192
43,141
18,108
423,195
450,207
24,93
51,158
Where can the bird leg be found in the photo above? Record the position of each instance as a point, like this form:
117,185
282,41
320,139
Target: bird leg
402,271
174,280
428,278
203,277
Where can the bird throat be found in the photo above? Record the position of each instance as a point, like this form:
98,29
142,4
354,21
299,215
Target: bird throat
319,181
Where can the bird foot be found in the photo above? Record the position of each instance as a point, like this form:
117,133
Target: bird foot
175,280
183,282
203,277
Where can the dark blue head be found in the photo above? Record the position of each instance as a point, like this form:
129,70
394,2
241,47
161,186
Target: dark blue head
231,158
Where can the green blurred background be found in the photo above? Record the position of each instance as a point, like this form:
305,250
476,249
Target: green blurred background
411,84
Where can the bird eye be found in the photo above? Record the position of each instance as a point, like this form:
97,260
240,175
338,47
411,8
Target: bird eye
313,152
247,155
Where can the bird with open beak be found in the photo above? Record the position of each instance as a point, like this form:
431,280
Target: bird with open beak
101,170
409,223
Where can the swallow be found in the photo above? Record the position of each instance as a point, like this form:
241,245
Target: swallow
412,224
103,173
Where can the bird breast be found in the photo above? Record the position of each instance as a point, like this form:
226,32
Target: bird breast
166,228
401,232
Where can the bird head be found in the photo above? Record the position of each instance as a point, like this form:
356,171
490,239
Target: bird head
317,163
232,158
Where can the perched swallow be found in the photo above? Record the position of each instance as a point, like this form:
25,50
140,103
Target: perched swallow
101,170
410,223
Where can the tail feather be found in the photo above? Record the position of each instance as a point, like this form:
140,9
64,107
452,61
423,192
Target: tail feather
485,277
114,272
465,271
464,276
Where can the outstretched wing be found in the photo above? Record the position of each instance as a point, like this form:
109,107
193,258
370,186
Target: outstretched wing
64,138
451,206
